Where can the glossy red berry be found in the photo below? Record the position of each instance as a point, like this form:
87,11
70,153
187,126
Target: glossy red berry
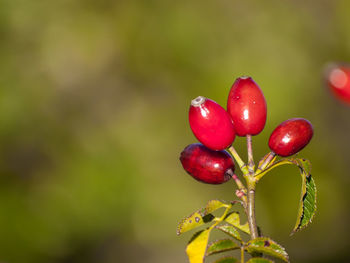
211,124
338,80
247,106
205,165
291,136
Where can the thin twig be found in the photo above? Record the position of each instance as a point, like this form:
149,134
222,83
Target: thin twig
242,253
251,213
241,188
267,161
250,154
239,160
239,183
250,210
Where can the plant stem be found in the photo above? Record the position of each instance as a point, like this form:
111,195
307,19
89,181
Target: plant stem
240,187
239,160
238,182
266,162
251,183
251,210
250,154
251,190
219,220
242,254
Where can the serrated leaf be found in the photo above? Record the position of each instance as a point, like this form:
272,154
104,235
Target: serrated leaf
197,246
233,219
305,165
221,245
267,246
194,220
307,203
213,205
259,260
227,260
230,230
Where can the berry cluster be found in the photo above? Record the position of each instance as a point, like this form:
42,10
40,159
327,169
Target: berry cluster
216,129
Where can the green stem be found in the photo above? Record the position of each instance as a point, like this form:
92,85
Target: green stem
239,160
251,190
251,209
242,253
220,219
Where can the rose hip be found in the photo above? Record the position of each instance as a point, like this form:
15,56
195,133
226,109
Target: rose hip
291,136
211,124
247,106
338,80
205,165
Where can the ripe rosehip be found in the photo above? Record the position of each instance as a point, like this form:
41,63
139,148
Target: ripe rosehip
247,106
205,165
291,136
338,80
211,124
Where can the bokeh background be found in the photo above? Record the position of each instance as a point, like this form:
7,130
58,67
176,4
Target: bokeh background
94,98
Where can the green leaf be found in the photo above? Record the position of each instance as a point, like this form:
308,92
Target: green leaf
267,246
213,205
197,246
307,204
226,260
230,230
233,219
221,245
259,260
194,220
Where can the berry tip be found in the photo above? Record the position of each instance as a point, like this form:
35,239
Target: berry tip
198,101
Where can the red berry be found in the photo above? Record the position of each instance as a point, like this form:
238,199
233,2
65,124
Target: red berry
211,124
205,165
338,79
291,136
247,106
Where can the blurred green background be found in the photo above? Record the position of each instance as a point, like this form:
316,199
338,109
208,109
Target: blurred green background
94,98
